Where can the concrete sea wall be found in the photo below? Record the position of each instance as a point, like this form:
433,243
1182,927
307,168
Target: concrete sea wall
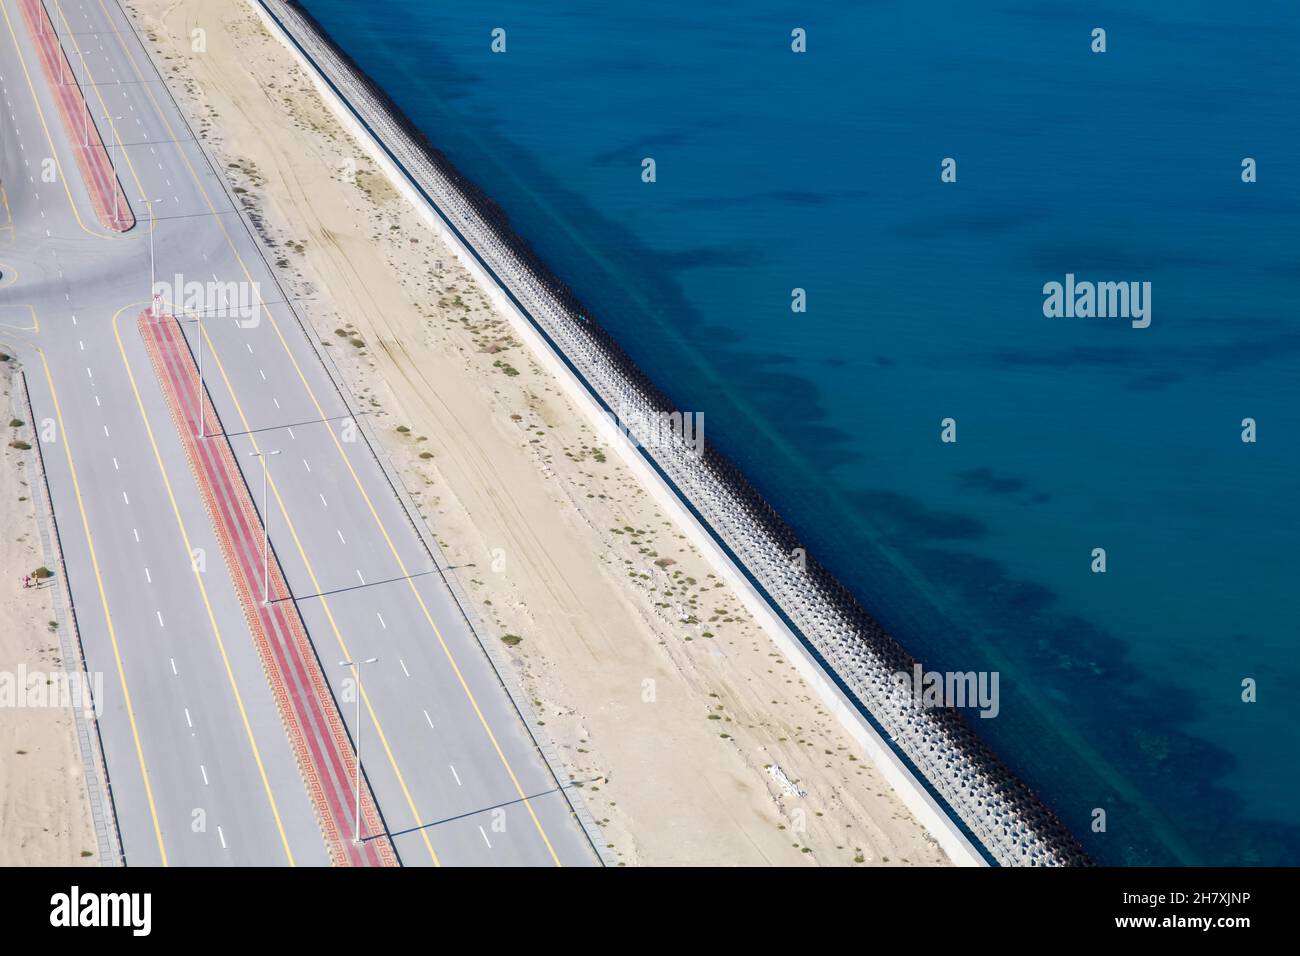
943,771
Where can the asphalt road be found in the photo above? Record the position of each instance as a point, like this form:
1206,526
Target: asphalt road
200,768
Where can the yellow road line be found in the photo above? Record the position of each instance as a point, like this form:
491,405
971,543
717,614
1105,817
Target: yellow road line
36,323
54,153
108,618
198,577
9,216
99,95
293,531
356,479
419,820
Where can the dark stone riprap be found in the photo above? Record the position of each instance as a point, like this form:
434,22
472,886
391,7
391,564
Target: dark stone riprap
1003,814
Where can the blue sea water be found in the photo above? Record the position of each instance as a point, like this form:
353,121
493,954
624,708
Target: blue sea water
775,170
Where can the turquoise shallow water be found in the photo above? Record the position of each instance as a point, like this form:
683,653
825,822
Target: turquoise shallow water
821,171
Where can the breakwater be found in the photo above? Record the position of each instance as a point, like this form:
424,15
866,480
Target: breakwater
861,660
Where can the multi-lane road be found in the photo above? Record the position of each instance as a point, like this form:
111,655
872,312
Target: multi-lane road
200,767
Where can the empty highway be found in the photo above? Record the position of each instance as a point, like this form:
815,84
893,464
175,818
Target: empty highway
201,770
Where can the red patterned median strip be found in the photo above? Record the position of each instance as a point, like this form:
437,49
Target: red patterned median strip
111,207
312,722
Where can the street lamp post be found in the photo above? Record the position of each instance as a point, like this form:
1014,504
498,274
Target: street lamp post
85,128
356,669
112,163
150,203
266,535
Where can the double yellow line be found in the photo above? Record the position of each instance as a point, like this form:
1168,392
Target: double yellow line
76,484
215,354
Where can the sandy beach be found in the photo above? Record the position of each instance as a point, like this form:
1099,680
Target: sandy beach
44,811
667,701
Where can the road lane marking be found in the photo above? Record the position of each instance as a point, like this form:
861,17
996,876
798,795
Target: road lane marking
203,591
429,719
103,600
54,154
456,775
485,839
404,670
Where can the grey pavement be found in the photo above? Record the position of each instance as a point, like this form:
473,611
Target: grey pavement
199,764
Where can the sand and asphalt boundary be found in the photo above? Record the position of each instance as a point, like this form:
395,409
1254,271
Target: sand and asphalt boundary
500,664
99,788
950,835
